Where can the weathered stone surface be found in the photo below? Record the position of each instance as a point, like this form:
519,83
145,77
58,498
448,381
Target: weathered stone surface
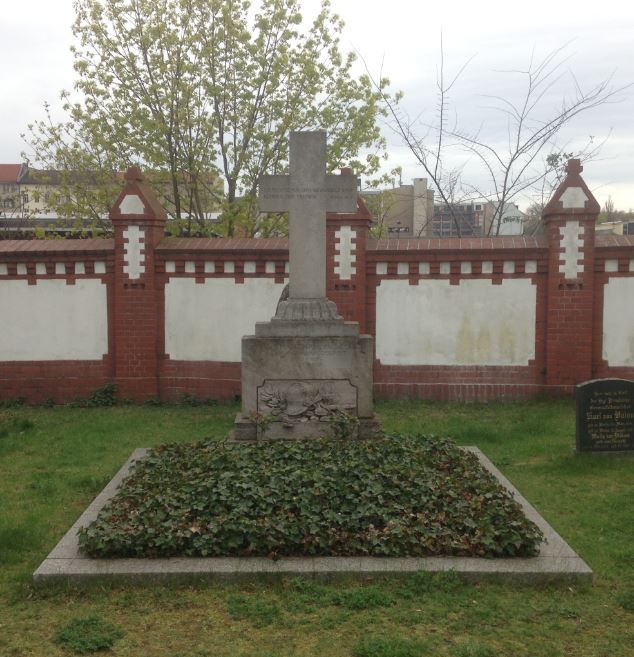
605,416
342,363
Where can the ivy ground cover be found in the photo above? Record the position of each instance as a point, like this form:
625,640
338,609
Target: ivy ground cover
396,496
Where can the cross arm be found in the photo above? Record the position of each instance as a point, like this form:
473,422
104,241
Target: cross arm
341,193
274,193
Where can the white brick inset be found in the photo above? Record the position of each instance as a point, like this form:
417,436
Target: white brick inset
60,268
80,268
286,268
40,268
612,265
344,257
530,266
249,267
269,267
423,268
190,267
487,267
465,267
133,258
632,264
445,268
170,266
402,268
230,267
100,267
210,267
381,268
21,269
132,204
3,270
571,241
508,267
574,197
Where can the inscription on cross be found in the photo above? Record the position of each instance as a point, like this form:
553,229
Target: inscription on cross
307,194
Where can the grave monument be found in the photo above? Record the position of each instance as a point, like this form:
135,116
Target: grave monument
306,368
605,416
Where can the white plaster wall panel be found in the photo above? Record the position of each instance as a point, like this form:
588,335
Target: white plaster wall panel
230,267
210,267
80,268
207,321
249,267
381,268
632,265
190,267
402,268
572,241
60,268
40,268
618,322
269,267
100,267
21,269
445,268
465,267
612,265
53,321
487,267
423,268
345,259
133,257
4,270
508,267
286,268
530,266
473,323
170,266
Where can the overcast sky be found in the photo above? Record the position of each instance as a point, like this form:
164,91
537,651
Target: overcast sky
400,38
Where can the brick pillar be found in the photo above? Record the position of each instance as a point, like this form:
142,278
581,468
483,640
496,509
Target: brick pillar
346,237
570,219
139,223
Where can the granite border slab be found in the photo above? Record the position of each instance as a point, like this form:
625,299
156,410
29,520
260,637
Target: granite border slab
556,561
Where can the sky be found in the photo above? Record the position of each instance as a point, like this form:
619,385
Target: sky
400,39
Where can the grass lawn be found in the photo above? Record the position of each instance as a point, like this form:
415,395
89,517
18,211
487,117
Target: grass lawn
54,461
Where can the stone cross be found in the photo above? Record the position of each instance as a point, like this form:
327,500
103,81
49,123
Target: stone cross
307,194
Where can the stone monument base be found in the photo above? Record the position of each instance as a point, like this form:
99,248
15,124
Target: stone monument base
306,380
246,431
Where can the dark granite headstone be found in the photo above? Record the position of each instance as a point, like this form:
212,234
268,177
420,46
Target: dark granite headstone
605,416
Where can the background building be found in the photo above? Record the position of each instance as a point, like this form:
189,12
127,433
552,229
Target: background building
403,211
9,188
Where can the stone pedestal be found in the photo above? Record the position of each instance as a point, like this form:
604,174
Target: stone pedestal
303,371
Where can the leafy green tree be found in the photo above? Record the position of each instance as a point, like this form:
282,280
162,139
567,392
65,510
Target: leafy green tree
203,95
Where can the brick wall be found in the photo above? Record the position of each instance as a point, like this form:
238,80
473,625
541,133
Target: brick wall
470,319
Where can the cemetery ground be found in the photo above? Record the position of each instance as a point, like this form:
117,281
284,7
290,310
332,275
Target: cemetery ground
53,461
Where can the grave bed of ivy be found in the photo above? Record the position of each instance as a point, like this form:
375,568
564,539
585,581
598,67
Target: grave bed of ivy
395,496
